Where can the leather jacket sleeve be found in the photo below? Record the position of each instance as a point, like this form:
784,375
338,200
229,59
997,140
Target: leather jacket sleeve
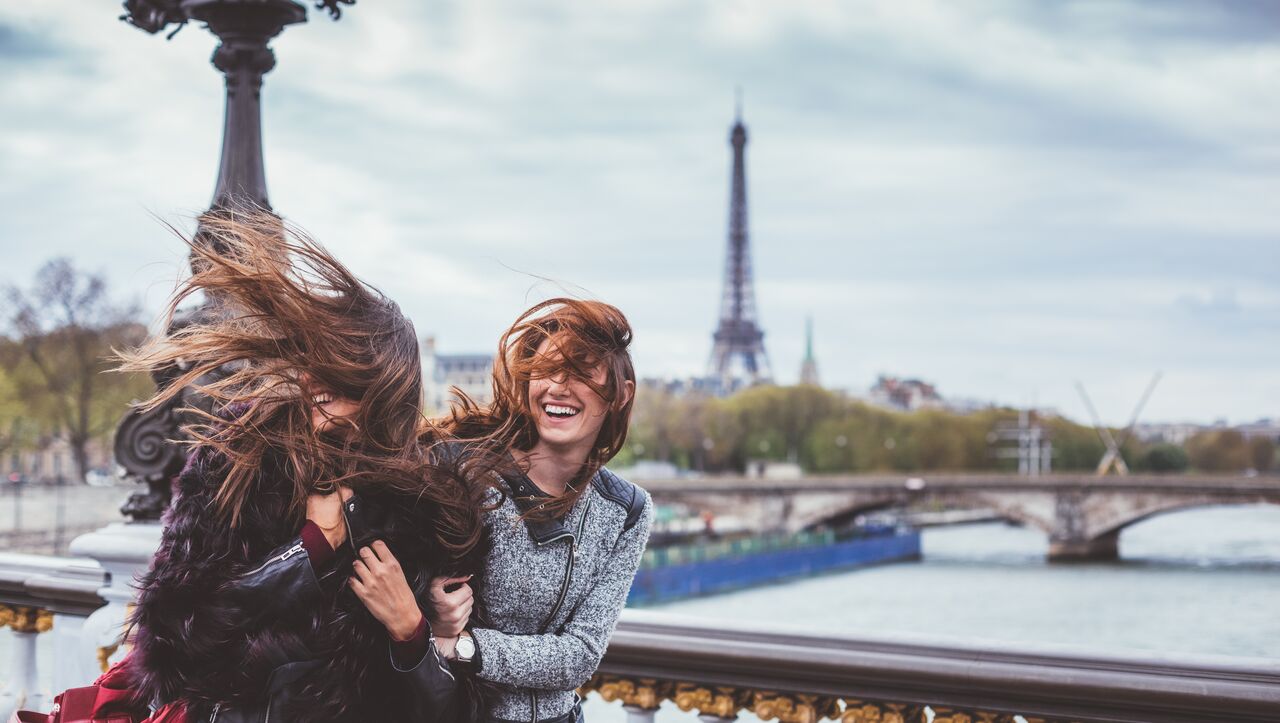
285,580
432,689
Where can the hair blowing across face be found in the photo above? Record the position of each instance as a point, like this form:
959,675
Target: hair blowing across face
583,336
289,321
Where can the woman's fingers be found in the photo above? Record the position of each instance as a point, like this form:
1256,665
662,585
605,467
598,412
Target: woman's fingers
384,554
362,571
369,556
438,584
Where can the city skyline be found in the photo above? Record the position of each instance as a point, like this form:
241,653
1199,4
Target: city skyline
998,199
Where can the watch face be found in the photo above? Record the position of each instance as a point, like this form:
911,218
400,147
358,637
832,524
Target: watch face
466,648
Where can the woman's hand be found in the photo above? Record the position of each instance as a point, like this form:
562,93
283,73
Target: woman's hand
326,512
381,586
450,611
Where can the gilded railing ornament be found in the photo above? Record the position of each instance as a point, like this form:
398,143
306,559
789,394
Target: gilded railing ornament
797,708
861,711
24,619
643,693
949,715
726,702
718,701
104,655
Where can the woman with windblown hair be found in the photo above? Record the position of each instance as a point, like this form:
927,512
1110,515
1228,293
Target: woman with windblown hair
306,528
566,534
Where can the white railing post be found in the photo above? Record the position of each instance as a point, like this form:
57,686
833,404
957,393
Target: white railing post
636,714
124,550
23,689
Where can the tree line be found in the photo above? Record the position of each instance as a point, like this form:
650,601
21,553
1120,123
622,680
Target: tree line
57,334
828,432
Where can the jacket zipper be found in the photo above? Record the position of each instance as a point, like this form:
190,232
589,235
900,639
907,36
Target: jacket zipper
564,588
278,558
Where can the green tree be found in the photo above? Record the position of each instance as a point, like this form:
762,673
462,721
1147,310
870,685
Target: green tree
65,326
1219,450
1164,458
1262,454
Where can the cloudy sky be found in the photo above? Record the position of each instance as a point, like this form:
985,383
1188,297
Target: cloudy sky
999,197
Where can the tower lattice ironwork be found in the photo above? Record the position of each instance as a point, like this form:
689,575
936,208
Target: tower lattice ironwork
737,354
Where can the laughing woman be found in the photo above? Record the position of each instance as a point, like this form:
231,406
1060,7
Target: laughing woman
288,580
568,534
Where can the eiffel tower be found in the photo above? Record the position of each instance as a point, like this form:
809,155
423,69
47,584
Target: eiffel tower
737,355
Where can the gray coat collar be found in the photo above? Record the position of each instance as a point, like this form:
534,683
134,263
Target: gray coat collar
527,496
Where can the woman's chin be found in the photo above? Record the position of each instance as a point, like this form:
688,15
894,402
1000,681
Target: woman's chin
555,436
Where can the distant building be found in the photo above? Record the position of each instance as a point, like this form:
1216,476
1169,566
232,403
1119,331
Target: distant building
470,373
809,367
905,395
1176,433
51,459
1267,428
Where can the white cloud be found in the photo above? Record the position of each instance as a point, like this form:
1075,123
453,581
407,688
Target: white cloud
996,196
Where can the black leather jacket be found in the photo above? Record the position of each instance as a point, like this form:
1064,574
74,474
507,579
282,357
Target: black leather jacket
286,581
239,625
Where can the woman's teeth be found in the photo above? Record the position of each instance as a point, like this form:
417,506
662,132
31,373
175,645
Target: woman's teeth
555,410
321,399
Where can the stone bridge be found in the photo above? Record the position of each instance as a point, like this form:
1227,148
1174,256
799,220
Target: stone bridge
1082,515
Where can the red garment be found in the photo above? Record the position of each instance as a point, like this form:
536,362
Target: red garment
108,700
114,695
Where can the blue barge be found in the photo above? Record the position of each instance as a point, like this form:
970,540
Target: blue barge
675,573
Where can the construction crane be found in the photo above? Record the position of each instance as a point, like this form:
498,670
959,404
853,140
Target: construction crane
1112,459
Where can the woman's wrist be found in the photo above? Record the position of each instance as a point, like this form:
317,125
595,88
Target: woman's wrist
446,646
406,626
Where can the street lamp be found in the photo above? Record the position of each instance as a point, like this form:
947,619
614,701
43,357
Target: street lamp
143,445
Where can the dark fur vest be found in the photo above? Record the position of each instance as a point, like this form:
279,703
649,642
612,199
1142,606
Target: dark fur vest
192,642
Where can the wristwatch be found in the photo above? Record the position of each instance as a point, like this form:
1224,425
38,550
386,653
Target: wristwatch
464,650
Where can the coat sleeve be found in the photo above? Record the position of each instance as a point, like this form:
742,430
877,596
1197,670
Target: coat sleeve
566,660
431,687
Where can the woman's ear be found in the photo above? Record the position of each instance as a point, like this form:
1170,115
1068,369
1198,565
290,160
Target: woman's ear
628,393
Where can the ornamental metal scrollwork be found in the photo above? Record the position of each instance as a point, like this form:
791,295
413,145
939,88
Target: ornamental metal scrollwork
860,711
644,693
718,701
24,619
798,708
726,702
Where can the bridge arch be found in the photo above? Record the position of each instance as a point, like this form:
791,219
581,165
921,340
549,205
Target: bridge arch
1164,507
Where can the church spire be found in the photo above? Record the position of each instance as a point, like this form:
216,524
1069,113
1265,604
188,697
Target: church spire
809,368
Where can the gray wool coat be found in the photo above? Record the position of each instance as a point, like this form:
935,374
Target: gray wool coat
553,591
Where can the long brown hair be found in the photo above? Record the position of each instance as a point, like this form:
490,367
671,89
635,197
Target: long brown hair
289,319
583,335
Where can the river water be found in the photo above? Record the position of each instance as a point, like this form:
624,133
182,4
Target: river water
1198,581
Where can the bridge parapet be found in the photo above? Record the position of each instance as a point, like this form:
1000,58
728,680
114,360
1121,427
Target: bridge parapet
720,670
1082,515
796,676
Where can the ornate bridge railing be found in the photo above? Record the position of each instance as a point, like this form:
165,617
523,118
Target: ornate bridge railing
721,671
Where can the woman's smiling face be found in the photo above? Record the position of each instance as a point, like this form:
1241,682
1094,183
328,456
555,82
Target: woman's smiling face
328,410
567,411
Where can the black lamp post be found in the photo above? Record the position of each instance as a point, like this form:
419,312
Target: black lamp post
143,443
